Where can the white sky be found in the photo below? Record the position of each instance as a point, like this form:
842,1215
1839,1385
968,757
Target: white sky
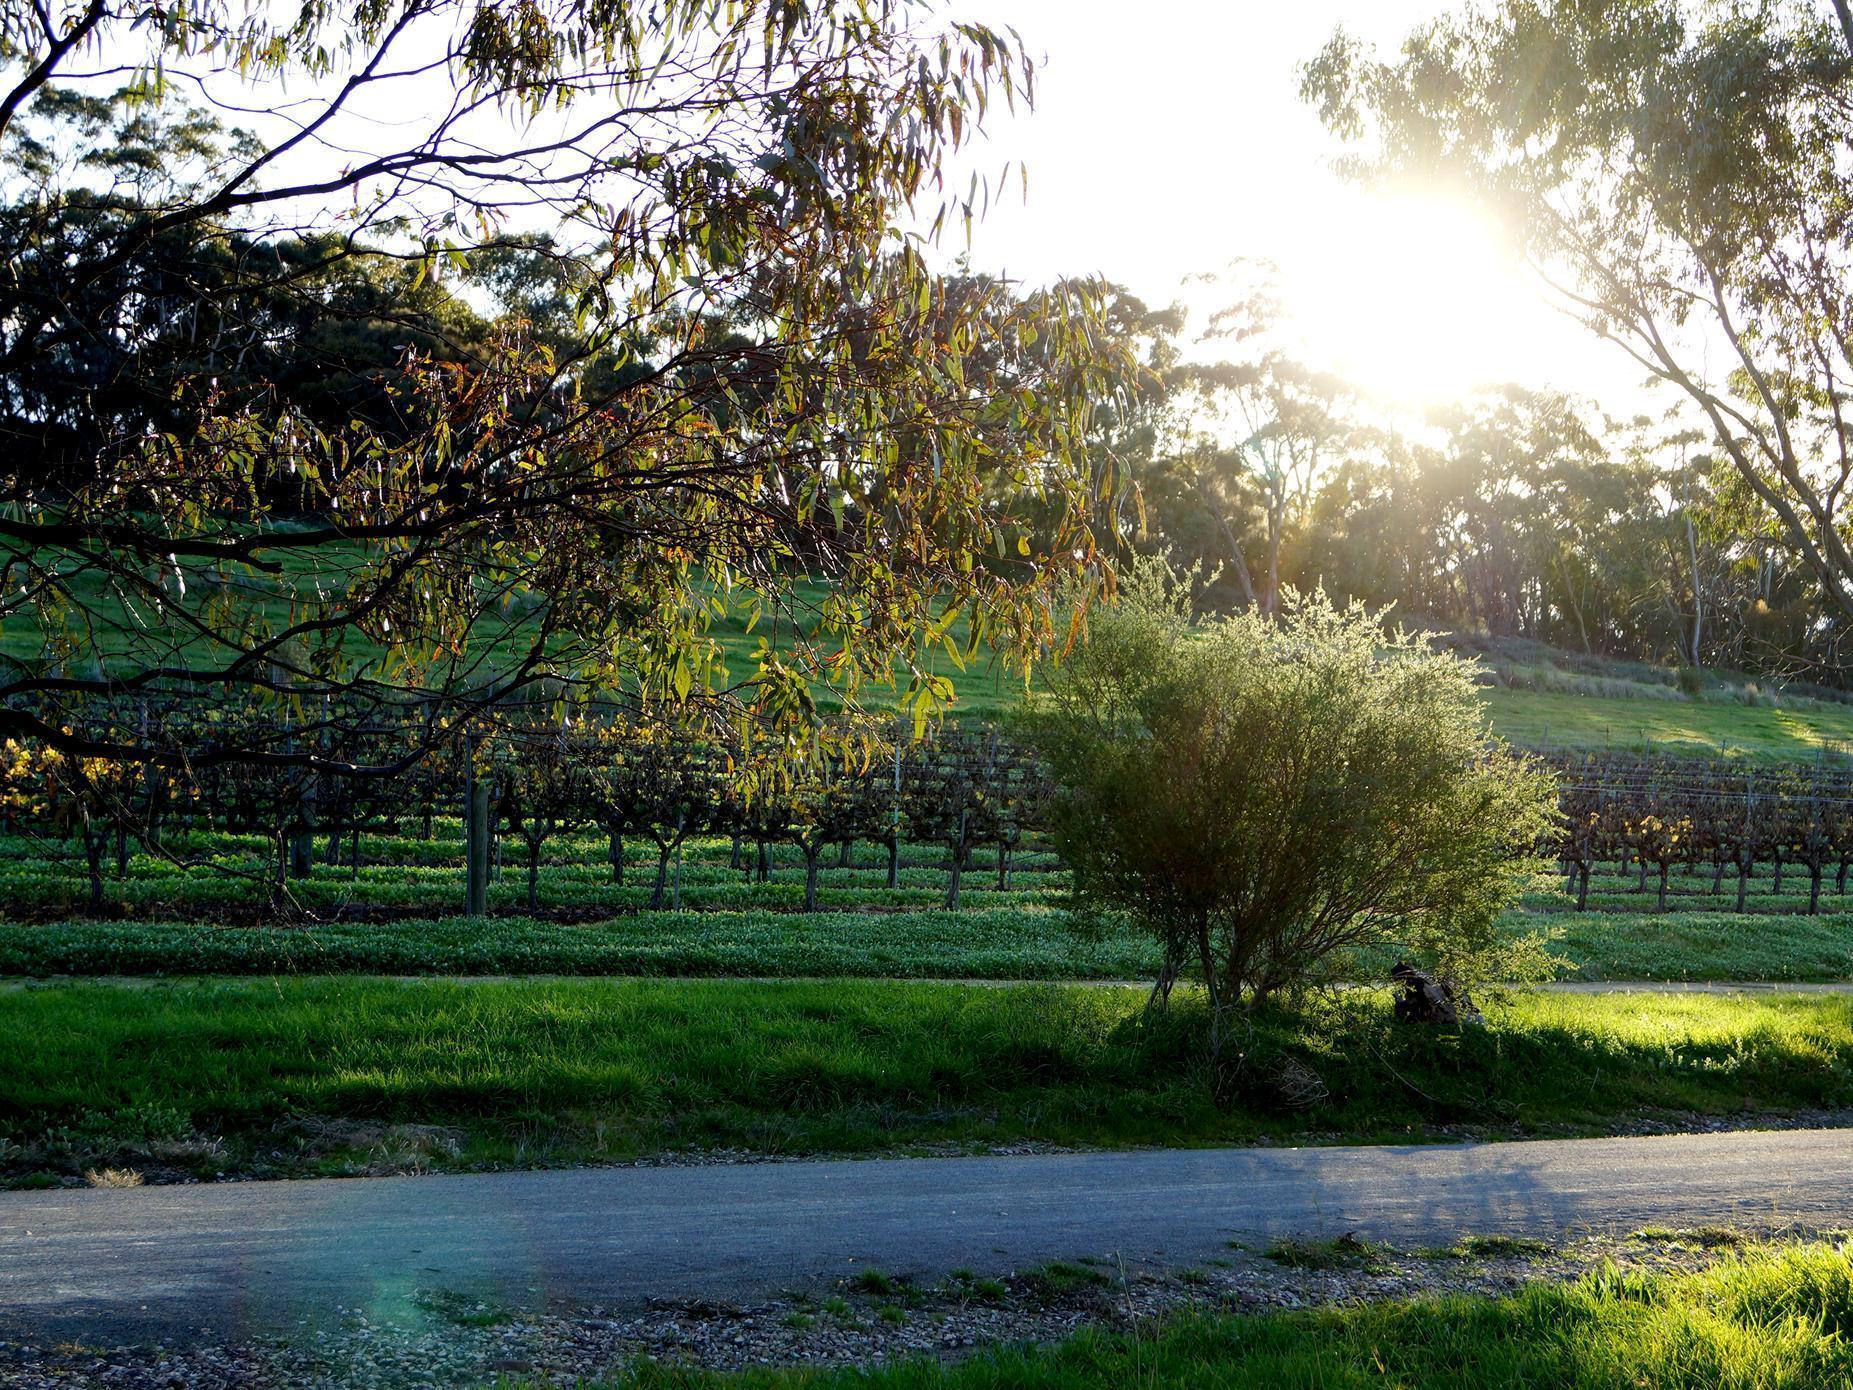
1169,138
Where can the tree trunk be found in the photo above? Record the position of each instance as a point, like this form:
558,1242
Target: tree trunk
810,876
1582,889
662,874
1235,547
1814,888
1160,996
302,854
958,865
843,860
894,862
476,849
1003,867
1276,525
1743,882
1663,872
93,857
1777,887
533,876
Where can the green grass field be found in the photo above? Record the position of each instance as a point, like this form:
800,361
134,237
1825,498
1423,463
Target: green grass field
986,690
293,1077
985,943
1698,727
1765,1320
313,1063
1717,722
989,943
398,915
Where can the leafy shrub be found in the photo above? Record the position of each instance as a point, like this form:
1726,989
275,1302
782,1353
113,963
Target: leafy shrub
1260,793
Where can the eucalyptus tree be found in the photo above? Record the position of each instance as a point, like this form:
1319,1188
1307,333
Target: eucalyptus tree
1677,170
762,371
1262,433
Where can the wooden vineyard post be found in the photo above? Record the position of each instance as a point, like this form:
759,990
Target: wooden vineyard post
302,849
475,841
894,817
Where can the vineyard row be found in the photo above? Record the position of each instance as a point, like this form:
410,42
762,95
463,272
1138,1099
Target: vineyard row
527,783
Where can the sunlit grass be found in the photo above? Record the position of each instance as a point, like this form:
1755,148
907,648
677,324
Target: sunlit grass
558,1070
1546,719
1765,1320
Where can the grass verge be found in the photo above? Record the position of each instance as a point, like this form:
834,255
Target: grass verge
358,1075
1022,943
1762,1321
1700,946
1026,941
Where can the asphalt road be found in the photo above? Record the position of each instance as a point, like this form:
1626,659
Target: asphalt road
173,1263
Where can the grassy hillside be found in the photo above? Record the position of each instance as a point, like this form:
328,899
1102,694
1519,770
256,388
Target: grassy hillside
1547,699
1542,697
1549,719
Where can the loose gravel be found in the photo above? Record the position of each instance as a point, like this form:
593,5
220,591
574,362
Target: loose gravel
451,1340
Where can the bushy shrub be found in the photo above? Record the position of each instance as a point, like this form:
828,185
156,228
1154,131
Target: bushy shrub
1261,793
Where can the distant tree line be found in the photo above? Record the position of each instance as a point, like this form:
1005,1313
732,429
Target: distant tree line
1511,513
526,360
1676,173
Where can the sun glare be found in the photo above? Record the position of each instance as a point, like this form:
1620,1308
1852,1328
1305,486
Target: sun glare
1416,299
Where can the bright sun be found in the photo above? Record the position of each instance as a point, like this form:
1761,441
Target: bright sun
1416,299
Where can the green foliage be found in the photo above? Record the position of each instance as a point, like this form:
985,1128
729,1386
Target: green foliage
581,1070
1345,1252
1260,794
728,360
1059,1279
1678,166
